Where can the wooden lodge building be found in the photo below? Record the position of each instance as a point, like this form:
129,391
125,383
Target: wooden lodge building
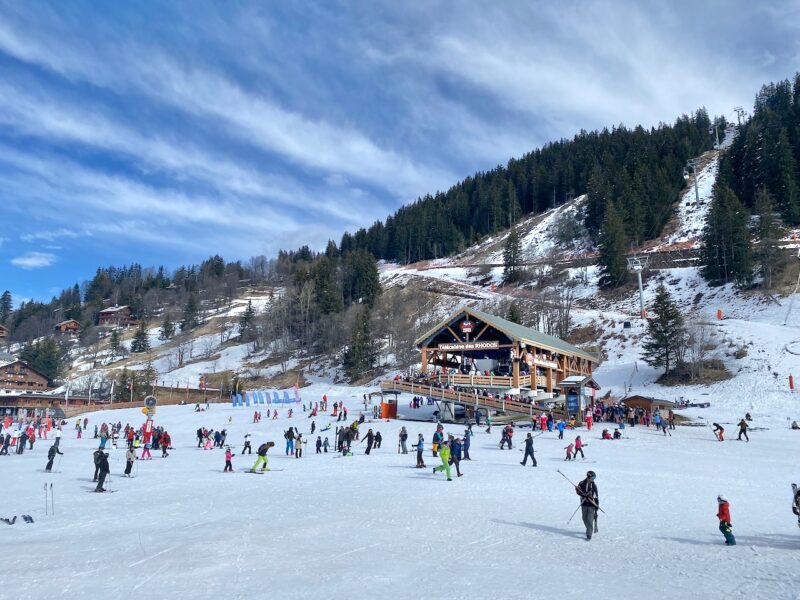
115,316
3,332
69,327
473,350
17,375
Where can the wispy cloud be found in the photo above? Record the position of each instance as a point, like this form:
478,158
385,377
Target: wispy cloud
49,236
34,260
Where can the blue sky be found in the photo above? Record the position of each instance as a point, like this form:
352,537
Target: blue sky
165,132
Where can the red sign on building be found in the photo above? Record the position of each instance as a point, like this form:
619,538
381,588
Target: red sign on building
467,326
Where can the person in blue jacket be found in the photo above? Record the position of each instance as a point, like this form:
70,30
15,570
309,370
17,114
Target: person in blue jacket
420,446
561,426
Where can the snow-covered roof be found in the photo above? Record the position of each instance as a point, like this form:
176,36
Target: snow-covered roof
113,309
578,380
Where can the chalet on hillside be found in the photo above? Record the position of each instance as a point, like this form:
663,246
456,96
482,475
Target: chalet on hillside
17,375
3,332
69,327
115,316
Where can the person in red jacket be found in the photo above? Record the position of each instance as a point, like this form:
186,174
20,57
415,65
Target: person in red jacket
724,516
166,442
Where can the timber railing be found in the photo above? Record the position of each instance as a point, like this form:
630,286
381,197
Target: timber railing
468,398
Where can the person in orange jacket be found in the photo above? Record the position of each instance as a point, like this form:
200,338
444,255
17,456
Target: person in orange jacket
724,516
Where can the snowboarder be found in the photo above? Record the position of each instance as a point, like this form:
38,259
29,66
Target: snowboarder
529,451
444,456
590,502
719,431
420,446
103,468
228,457
262,456
51,456
247,447
724,516
743,430
130,456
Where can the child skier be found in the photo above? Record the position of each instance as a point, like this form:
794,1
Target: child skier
578,448
420,446
569,451
228,457
561,426
719,431
325,445
319,445
724,516
130,456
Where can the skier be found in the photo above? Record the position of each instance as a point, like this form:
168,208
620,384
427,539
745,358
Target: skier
319,444
401,444
130,456
289,435
529,451
51,456
165,443
743,430
455,454
378,439
590,502
228,457
96,456
247,447
437,440
489,423
200,437
719,431
467,437
444,456
561,426
724,516
325,445
104,469
313,427
569,451
370,440
578,448
298,446
420,446
796,503
262,456
146,452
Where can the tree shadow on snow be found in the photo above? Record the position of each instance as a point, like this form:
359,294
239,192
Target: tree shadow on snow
775,541
545,528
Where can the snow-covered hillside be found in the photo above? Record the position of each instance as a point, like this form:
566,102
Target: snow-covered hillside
375,527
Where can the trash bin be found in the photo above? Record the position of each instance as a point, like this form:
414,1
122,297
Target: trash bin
389,409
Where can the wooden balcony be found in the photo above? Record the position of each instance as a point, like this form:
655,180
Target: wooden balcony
467,399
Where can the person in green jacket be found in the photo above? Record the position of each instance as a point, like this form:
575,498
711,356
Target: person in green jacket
444,455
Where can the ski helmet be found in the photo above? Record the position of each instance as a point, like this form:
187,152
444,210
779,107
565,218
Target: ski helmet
721,498
591,474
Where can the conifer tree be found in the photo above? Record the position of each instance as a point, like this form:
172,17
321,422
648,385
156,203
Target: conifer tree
726,254
140,342
665,332
5,306
114,344
514,315
613,264
767,257
247,323
167,330
359,356
512,257
190,314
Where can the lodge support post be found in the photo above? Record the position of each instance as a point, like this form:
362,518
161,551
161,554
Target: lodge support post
424,366
515,366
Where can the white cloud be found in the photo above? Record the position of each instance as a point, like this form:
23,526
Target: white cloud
34,260
49,236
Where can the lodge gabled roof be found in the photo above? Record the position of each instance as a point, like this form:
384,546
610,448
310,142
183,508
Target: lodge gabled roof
513,330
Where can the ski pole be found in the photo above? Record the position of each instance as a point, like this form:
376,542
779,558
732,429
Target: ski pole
58,465
582,496
52,501
45,499
573,514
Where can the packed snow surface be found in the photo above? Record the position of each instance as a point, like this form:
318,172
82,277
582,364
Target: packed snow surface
375,527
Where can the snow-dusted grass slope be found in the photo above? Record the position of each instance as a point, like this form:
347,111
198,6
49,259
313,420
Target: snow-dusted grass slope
373,527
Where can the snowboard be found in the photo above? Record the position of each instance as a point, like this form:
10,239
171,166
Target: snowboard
104,492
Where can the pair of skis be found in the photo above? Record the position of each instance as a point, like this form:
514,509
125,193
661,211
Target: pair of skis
12,520
584,497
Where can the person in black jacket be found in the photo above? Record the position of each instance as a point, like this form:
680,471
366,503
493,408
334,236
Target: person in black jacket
51,456
528,451
370,440
199,436
104,469
96,455
590,502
